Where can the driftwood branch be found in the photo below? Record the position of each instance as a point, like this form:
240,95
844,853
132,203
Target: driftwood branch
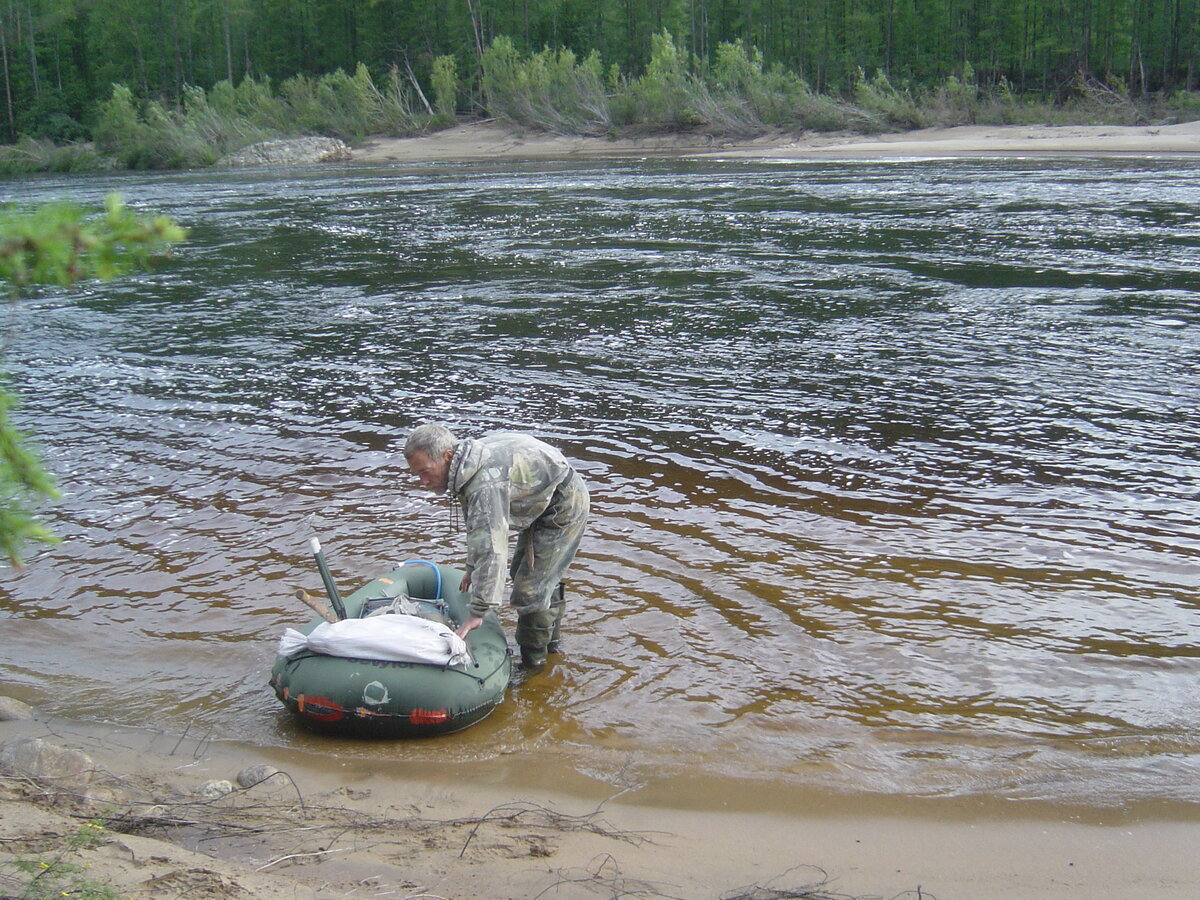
290,856
417,86
316,605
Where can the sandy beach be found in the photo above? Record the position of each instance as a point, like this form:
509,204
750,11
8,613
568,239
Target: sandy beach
490,140
327,828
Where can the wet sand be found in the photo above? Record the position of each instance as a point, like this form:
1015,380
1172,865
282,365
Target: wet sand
491,141
332,828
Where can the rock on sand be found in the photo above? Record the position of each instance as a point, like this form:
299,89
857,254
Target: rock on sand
289,152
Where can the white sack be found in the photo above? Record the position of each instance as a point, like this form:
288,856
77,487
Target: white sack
390,638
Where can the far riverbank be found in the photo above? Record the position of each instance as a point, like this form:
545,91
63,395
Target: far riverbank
490,140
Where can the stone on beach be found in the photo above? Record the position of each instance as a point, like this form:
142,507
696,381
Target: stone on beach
289,152
13,710
42,761
255,775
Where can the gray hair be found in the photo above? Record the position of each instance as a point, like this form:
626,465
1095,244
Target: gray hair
432,440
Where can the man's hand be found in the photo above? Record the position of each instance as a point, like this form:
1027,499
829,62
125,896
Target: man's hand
468,626
465,584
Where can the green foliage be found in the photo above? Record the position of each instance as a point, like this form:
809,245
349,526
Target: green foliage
738,95
960,100
666,96
42,155
503,75
445,87
23,482
347,106
55,874
773,97
1105,102
252,101
49,117
211,125
119,129
553,92
151,136
336,104
397,112
737,70
59,244
549,90
203,133
1184,105
889,106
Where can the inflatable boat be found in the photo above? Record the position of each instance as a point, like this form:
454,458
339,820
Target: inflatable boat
389,698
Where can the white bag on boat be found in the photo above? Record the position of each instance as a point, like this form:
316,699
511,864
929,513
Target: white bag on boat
390,638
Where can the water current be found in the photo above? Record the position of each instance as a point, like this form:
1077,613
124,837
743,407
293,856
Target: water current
894,464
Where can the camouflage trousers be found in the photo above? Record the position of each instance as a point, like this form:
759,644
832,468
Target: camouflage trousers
544,551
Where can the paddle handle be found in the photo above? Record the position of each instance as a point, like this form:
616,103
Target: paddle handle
330,588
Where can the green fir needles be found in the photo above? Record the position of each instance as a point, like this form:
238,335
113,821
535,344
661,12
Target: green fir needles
58,245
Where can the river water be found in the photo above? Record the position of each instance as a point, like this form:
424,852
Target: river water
894,464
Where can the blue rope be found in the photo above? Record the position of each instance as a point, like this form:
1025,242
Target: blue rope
437,571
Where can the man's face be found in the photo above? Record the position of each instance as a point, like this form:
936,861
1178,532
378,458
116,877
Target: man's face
432,472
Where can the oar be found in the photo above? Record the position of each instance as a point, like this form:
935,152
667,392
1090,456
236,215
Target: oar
330,588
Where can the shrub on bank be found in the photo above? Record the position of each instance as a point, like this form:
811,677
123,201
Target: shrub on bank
347,106
888,108
30,155
445,89
737,96
252,100
153,136
550,91
666,96
213,124
772,97
120,129
1183,106
1087,101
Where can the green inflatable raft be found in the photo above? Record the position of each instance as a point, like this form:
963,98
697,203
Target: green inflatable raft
377,698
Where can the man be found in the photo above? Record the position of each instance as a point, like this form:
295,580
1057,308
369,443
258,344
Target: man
509,482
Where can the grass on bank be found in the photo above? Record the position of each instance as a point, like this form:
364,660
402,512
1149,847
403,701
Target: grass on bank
29,155
56,872
734,95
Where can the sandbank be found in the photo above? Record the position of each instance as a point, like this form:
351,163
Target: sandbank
333,827
491,140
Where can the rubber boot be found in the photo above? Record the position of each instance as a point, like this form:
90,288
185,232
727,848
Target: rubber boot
532,661
533,635
558,606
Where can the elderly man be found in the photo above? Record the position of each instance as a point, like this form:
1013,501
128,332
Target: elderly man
509,482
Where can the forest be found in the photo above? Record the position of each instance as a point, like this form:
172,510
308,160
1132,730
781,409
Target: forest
62,58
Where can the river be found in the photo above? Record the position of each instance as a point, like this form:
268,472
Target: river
894,464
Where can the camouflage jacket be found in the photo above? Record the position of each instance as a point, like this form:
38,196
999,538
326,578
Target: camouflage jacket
504,482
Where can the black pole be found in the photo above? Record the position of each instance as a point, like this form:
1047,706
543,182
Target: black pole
330,588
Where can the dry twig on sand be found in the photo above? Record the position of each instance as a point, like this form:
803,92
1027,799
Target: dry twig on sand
545,817
816,889
605,878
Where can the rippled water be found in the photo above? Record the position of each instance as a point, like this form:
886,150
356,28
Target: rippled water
894,464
